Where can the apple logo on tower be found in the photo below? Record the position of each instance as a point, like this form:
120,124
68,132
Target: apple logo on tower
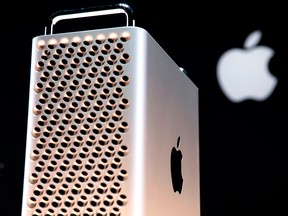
176,168
244,73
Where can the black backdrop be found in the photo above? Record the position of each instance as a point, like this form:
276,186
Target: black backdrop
243,146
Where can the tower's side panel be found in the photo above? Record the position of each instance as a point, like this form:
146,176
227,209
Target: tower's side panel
172,113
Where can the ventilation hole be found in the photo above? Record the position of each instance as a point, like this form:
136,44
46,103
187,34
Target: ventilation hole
62,86
122,200
71,177
99,83
62,212
41,123
125,58
66,119
115,188
36,132
125,36
111,105
83,177
96,176
58,177
99,60
117,115
52,166
106,49
93,50
123,151
115,212
110,151
44,118
75,212
104,117
41,44
76,189
39,190
81,51
37,109
59,154
122,175
100,39
112,38
95,201
116,141
64,189
97,152
64,42
69,53
80,95
77,143
44,202
117,137
50,191
40,166
116,163
75,41
97,128
109,176
101,212
40,145
105,93
90,141
33,178
124,103
88,40
32,202
86,106
38,87
108,200
82,201
52,43
103,164
103,140
40,65
47,154
65,164
118,70
118,48
105,71
56,202
60,130
69,202
124,81
112,59
123,127
44,97
89,189
84,153
118,92
71,155
88,212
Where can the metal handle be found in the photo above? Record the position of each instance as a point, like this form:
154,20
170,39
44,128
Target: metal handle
92,11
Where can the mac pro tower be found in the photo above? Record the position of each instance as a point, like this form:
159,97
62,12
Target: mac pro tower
112,127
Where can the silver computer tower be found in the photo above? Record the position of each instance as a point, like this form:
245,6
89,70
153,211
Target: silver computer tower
106,108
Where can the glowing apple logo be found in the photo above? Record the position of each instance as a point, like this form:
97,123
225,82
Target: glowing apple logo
176,168
244,73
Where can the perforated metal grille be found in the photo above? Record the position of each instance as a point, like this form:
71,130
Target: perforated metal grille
76,138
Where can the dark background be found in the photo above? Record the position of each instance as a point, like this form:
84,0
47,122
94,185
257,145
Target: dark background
243,146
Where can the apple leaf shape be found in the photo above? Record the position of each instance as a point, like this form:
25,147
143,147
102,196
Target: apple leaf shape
252,39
